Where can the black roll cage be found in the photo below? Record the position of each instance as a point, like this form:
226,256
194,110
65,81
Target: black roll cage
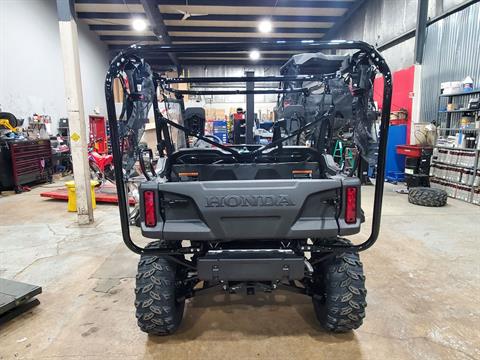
163,136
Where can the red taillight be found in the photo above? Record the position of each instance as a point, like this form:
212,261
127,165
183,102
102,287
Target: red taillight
351,205
149,204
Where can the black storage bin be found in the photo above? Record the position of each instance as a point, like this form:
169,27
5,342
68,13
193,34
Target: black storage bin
417,180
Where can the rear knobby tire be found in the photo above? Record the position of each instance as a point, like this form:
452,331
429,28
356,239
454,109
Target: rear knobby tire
109,174
339,297
425,196
95,173
159,309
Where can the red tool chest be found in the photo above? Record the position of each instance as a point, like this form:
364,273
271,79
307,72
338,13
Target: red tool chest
410,150
23,162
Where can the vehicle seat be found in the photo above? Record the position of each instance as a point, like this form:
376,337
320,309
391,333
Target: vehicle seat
293,119
194,119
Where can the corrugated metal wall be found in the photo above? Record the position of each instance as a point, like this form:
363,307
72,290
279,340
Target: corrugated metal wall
452,52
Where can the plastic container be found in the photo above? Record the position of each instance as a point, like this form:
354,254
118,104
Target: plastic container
463,193
476,181
456,174
451,87
471,160
467,84
395,163
72,197
410,150
476,197
470,177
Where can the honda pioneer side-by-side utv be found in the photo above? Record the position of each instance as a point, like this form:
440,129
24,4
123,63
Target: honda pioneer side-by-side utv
248,217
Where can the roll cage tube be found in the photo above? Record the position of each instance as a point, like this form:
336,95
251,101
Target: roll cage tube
162,121
237,92
138,51
293,134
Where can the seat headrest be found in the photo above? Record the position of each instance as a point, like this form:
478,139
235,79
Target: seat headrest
194,111
290,110
194,119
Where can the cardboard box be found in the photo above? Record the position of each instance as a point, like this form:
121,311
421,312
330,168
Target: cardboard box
219,114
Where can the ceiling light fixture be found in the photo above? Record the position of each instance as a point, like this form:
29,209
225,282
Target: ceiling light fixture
254,55
139,24
265,26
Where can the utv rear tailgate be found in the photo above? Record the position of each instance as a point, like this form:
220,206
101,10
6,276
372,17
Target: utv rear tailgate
256,209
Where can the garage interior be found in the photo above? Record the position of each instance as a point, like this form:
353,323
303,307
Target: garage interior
67,278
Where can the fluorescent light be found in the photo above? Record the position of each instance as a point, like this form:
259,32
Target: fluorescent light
265,26
307,41
254,55
139,24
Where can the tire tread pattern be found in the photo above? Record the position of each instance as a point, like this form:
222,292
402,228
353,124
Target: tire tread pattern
425,196
341,306
157,309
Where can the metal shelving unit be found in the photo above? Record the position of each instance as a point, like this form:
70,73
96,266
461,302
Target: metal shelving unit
473,92
450,159
458,111
454,165
455,148
451,99
457,169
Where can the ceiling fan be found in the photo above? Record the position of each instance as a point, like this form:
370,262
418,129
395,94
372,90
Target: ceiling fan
187,14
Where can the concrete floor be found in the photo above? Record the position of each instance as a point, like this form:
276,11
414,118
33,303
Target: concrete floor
423,280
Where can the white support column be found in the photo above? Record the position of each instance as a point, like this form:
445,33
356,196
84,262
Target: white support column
416,103
76,119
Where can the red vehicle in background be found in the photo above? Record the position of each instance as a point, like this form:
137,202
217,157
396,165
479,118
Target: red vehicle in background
101,166
101,163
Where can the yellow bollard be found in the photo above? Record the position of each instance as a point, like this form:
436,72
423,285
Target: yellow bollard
72,198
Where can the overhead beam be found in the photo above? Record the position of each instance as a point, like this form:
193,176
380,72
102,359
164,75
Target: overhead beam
158,27
421,30
113,2
221,29
110,15
133,38
262,3
264,54
216,39
210,17
254,3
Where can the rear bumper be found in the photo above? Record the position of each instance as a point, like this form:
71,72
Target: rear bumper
251,265
249,209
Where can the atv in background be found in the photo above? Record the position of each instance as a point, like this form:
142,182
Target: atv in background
249,216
